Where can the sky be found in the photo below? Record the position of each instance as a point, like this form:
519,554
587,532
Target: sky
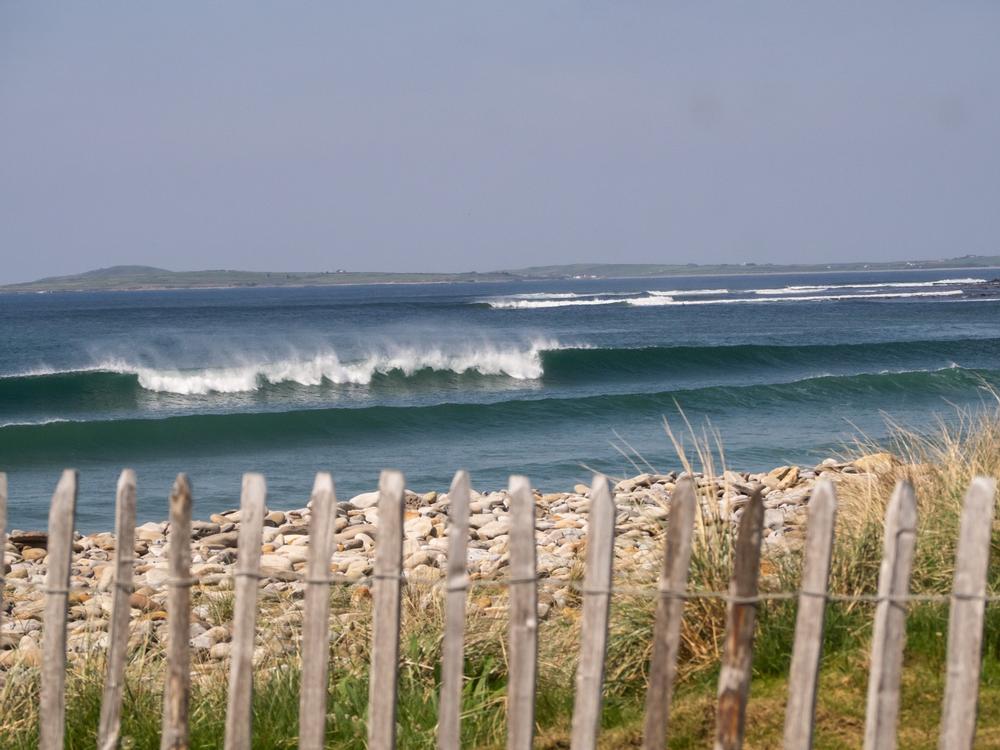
453,136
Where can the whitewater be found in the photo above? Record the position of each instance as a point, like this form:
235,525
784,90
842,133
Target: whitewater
327,367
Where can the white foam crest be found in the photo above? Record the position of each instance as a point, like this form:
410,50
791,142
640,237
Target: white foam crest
228,380
686,292
517,362
560,295
40,372
795,290
809,298
531,304
881,285
36,423
520,364
661,301
547,295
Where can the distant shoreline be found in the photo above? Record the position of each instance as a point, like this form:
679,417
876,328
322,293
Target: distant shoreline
143,279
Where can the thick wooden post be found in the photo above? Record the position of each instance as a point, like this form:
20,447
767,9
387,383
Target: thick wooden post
239,718
669,614
522,639
594,620
177,692
889,631
803,677
965,621
52,705
741,617
114,680
452,650
316,618
382,684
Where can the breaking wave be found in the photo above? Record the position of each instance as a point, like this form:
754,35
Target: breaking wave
327,368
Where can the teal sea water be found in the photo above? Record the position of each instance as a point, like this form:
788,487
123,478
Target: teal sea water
535,378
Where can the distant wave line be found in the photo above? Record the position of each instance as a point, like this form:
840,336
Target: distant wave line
662,299
882,285
668,301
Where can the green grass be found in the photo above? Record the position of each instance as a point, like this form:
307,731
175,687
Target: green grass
840,710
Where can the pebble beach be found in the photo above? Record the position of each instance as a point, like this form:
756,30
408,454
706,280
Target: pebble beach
561,528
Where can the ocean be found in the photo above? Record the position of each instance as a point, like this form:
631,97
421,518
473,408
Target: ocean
549,379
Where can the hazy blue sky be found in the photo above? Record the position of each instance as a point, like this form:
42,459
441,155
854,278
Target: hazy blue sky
475,135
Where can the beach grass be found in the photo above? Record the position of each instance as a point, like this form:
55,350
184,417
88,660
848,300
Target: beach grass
940,466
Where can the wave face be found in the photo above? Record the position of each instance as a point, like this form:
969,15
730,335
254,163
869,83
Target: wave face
239,431
774,361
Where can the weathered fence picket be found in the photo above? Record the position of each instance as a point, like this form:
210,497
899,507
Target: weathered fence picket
741,617
386,589
807,649
965,620
669,613
522,639
114,679
457,584
177,691
889,630
315,619
594,619
968,600
239,718
52,705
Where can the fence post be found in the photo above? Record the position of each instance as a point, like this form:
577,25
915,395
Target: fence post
594,619
3,536
669,613
316,618
385,604
452,650
111,701
239,718
52,706
808,647
522,635
741,617
177,692
965,621
889,631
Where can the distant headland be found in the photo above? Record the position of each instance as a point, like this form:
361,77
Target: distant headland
138,278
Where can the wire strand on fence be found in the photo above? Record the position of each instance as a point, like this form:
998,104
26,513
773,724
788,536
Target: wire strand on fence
651,592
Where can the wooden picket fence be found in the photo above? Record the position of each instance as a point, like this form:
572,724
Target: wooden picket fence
965,634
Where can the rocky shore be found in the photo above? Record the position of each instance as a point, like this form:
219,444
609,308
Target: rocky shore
561,528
